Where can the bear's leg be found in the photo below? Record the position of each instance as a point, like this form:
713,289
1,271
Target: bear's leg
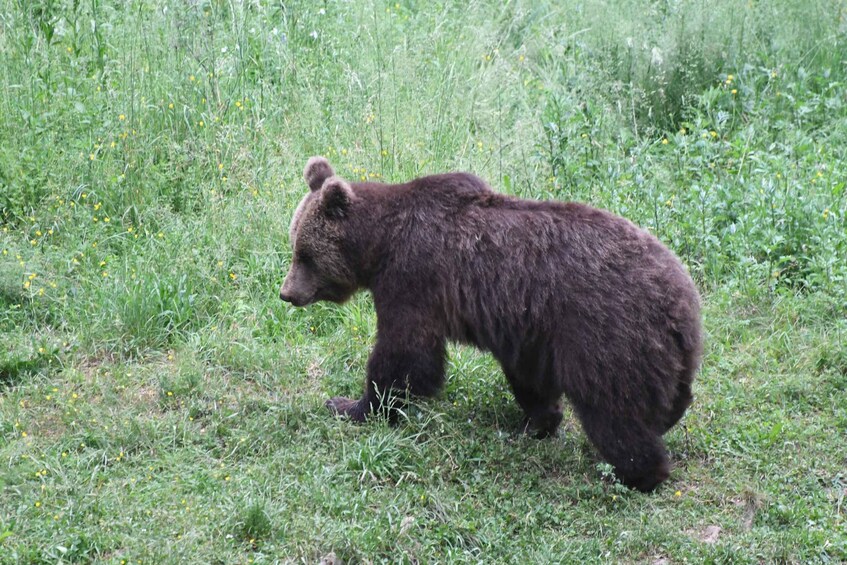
402,363
543,415
637,453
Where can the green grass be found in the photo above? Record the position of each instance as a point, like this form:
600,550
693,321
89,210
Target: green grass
158,403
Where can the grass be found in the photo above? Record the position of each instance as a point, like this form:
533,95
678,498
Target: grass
158,403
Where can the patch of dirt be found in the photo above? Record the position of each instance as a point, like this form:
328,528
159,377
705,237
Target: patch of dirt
314,371
331,559
709,534
751,504
49,426
147,395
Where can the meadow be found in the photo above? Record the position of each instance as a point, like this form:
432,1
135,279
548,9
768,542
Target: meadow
160,404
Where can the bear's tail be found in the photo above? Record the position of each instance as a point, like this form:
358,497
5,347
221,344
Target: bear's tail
689,340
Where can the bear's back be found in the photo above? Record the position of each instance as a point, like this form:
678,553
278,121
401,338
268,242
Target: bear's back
516,261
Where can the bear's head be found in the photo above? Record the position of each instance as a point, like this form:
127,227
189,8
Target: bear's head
320,268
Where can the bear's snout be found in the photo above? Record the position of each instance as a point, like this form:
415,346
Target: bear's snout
288,297
301,286
293,298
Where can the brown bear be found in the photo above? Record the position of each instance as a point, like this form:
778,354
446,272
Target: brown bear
571,300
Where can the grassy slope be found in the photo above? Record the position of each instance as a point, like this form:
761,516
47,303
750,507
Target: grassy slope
158,403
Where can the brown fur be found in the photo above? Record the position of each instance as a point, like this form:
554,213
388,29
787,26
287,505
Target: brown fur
571,300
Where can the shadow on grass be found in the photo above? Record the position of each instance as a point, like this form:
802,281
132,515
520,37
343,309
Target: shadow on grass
16,365
13,370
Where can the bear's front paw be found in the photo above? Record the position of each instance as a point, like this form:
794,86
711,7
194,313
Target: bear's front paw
347,407
543,425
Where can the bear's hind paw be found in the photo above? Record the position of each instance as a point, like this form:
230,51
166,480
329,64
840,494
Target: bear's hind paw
347,407
543,425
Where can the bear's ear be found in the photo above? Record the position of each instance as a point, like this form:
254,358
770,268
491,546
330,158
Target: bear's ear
316,172
336,197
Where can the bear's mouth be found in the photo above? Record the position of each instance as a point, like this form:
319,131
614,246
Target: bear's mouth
304,302
334,293
331,293
298,301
